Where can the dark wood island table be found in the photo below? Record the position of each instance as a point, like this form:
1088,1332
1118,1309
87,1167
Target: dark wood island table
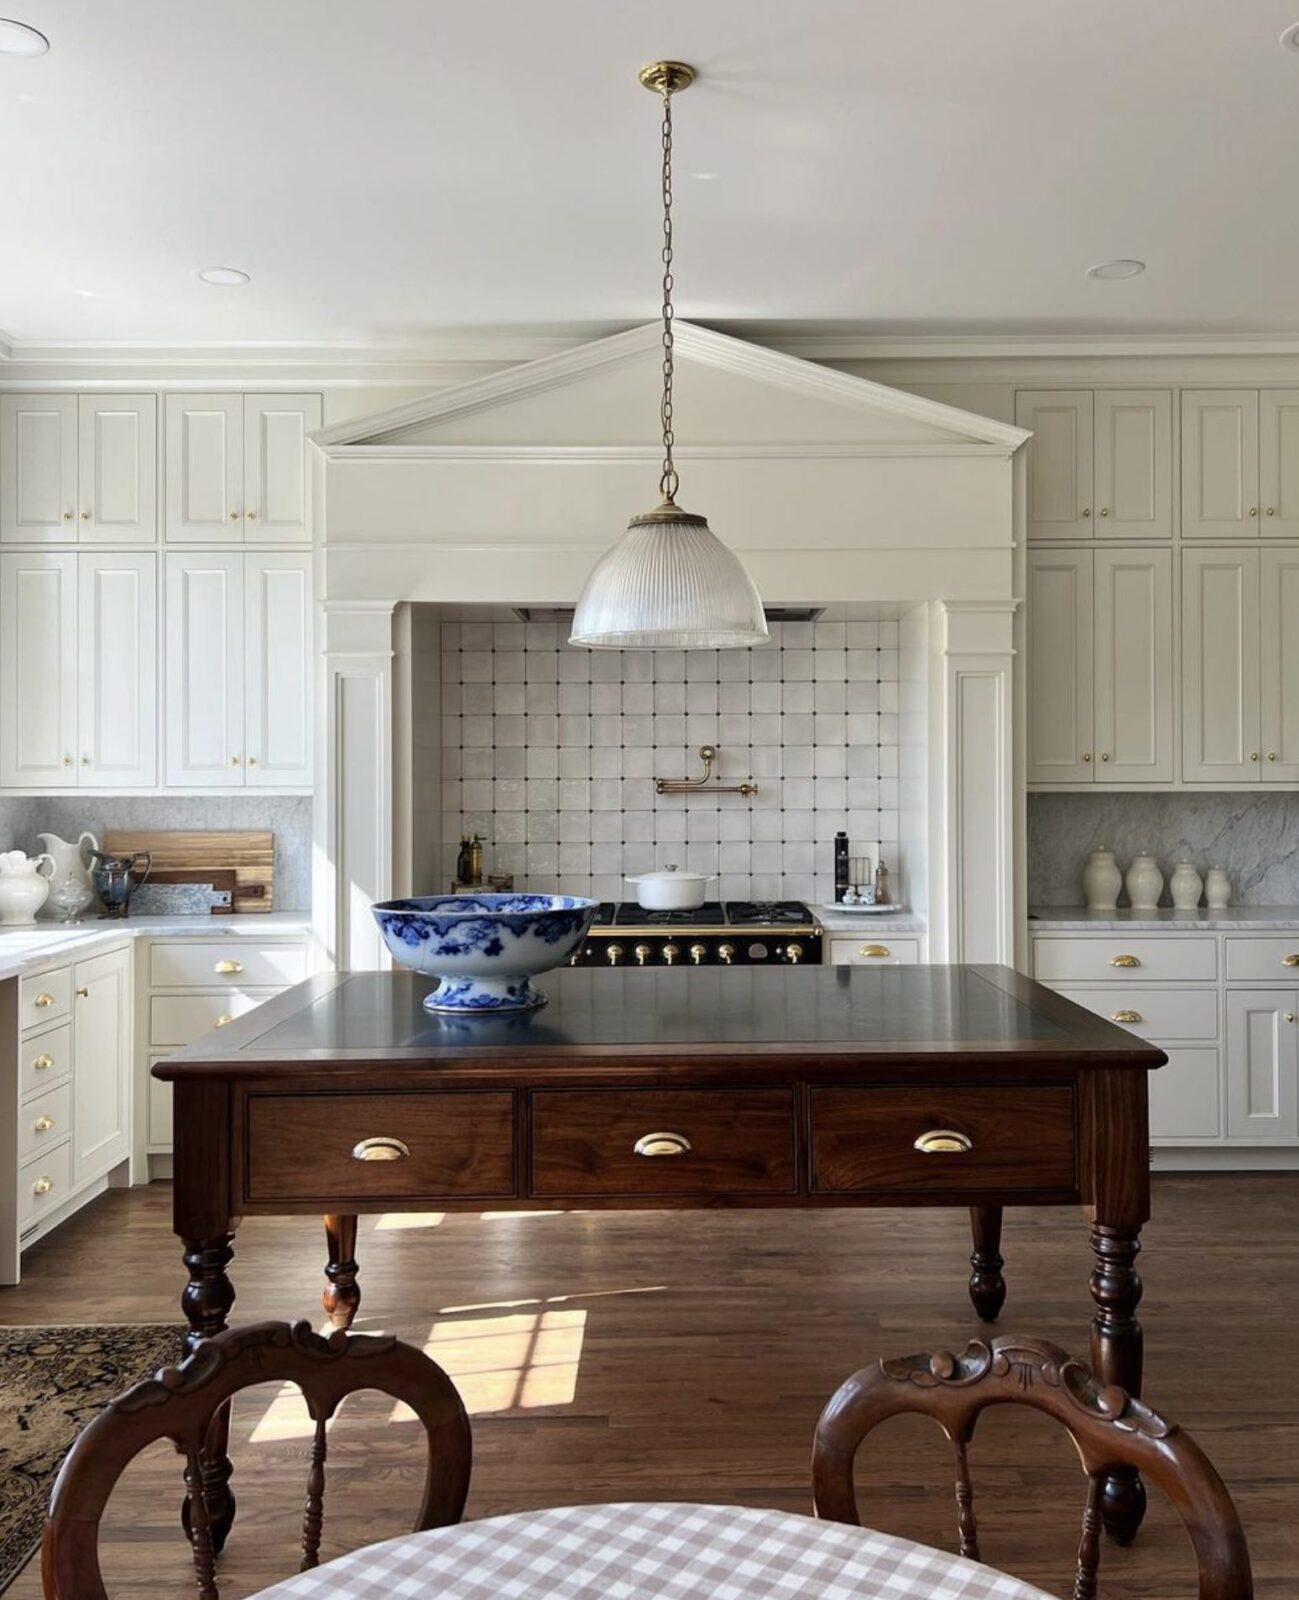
798,1086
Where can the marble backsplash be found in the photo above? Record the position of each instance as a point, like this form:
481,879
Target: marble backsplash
287,816
1254,836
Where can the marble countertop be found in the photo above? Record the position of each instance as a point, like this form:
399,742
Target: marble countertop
22,949
847,919
1232,919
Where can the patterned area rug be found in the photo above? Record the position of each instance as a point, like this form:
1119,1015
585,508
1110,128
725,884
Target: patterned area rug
52,1382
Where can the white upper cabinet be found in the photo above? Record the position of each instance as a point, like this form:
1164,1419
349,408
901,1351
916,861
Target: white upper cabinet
1133,609
1060,666
1220,666
38,467
1133,431
117,720
277,499
38,671
277,669
1059,462
1220,462
1278,463
117,449
237,467
1279,603
205,667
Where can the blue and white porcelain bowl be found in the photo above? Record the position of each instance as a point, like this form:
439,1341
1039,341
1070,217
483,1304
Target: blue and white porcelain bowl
484,947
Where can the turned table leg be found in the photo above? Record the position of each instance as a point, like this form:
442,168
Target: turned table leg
206,1301
987,1286
342,1296
1116,1353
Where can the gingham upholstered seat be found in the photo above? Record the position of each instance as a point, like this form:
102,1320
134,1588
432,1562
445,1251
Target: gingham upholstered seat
651,1552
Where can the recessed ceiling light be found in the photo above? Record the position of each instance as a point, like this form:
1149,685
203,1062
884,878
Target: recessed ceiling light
1117,269
226,277
1290,38
17,39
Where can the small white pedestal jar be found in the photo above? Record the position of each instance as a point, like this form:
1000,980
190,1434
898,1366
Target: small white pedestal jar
1145,883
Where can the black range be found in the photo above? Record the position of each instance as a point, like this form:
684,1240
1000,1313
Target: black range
731,933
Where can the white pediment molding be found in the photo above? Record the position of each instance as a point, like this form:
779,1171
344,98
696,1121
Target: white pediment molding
948,430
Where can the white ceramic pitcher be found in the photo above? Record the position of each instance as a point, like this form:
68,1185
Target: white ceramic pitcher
70,887
23,887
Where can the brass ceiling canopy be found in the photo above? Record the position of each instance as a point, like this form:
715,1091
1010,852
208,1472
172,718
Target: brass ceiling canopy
667,77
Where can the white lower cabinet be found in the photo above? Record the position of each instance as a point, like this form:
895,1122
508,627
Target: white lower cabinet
861,950
101,1054
1186,1095
1263,1057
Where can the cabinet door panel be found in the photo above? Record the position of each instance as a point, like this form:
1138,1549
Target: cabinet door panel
117,723
1060,652
205,467
1186,1096
277,496
1279,697
38,670
205,670
117,441
1262,1063
1220,463
1278,456
1134,666
101,1054
1220,666
277,631
1059,462
1134,464
38,467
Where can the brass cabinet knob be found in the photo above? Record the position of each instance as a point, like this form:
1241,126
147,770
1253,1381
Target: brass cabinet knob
1271,755
613,954
67,516
42,1063
85,516
670,954
1291,960
794,953
252,761
226,967
1105,511
84,993
661,1144
67,761
1127,1016
726,954
1253,511
1271,511
876,951
1087,511
85,761
642,953
1105,755
251,515
1125,961
943,1142
43,999
698,952
1253,755
43,1184
234,516
223,1020
1289,1016
42,1124
234,761
384,1148
1087,755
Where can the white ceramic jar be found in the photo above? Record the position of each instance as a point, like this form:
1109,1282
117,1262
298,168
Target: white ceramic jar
23,887
1217,886
1102,880
1145,883
1186,886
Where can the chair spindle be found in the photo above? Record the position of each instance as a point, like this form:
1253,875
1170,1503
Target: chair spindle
1089,1547
313,1517
966,1524
200,1528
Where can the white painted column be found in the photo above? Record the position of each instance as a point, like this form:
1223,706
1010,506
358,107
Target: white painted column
972,795
353,851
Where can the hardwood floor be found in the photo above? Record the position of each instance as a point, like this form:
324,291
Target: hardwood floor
686,1355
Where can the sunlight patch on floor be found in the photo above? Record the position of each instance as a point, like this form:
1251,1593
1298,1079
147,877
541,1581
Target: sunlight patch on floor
550,1300
400,1221
286,1417
515,1360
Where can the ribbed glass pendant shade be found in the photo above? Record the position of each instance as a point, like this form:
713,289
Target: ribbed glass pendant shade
669,584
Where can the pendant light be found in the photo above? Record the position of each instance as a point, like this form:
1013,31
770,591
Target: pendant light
669,583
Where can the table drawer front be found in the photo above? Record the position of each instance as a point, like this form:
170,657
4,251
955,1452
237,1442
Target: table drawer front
44,1183
45,1121
303,1147
179,1019
1153,1013
44,999
45,1059
1020,1139
218,963
1271,959
710,1142
1125,958
886,951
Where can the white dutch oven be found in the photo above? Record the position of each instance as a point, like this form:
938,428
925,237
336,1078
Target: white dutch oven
671,889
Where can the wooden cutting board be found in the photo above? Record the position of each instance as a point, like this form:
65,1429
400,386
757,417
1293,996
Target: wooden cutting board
249,854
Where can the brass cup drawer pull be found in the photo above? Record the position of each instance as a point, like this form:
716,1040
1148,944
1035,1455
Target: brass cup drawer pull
227,968
876,950
43,1063
944,1142
1125,961
43,999
1292,960
380,1149
223,1020
1127,1016
42,1124
43,1185
662,1144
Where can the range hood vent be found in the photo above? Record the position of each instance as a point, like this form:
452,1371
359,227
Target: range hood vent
564,614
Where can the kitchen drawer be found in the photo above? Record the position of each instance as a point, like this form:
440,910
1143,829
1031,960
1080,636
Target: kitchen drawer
44,999
1021,1139
44,1183
44,1121
710,1142
1186,1096
238,963
44,1059
1152,1013
1125,958
1273,958
303,1147
865,951
178,1019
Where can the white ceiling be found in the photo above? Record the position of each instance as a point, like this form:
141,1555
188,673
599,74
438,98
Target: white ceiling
393,170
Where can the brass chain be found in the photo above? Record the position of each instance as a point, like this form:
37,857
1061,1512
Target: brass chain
668,483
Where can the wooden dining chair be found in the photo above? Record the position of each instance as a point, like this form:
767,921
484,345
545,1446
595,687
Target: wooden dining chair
1109,1427
180,1403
